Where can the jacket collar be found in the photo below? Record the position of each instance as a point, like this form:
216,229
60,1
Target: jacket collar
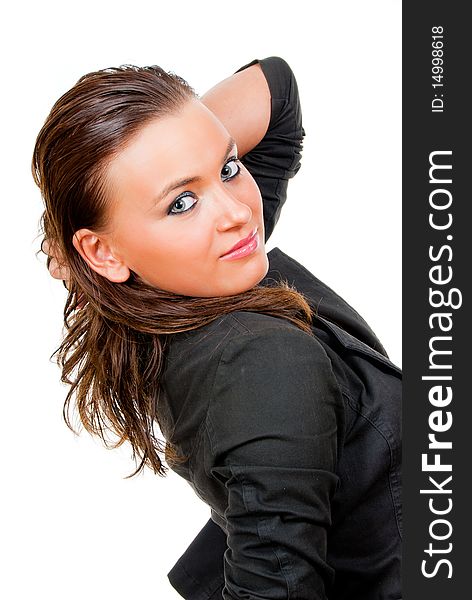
325,302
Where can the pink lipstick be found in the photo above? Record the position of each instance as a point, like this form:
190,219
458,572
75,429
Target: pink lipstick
243,248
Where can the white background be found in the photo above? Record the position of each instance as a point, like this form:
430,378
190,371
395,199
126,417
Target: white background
72,526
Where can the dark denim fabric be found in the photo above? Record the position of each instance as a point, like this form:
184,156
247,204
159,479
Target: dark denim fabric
293,440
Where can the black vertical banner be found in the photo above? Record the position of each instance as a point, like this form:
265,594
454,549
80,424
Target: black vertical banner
437,328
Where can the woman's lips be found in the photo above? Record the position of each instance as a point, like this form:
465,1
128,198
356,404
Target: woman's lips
244,247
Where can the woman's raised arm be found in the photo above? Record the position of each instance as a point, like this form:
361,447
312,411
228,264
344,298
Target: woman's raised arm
267,128
242,102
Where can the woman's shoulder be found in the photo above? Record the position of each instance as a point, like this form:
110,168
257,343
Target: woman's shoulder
250,322
239,337
240,363
237,325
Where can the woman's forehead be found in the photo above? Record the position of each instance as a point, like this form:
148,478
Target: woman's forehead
184,145
192,126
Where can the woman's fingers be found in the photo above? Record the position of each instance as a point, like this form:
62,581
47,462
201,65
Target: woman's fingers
57,268
55,265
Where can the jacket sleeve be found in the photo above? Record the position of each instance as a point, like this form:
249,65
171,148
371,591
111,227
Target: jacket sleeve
271,439
276,158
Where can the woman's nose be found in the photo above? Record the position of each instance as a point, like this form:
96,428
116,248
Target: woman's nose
231,211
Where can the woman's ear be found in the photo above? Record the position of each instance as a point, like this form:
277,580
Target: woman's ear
97,253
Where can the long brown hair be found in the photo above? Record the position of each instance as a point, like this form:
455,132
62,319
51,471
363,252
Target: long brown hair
116,334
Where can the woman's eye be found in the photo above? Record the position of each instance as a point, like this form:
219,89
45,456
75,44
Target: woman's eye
231,169
182,205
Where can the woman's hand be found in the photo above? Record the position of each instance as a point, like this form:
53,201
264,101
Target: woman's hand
55,265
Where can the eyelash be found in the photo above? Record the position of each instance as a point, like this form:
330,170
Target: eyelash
189,194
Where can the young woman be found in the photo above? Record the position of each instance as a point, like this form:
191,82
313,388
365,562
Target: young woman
277,402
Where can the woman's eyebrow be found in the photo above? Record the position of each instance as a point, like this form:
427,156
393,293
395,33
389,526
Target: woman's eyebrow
186,180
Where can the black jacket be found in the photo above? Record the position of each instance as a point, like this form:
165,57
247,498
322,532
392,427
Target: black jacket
294,440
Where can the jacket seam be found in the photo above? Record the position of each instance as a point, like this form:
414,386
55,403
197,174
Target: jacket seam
284,569
208,427
242,325
202,427
329,291
206,591
391,453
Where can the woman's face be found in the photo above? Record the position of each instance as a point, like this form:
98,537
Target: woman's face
179,202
